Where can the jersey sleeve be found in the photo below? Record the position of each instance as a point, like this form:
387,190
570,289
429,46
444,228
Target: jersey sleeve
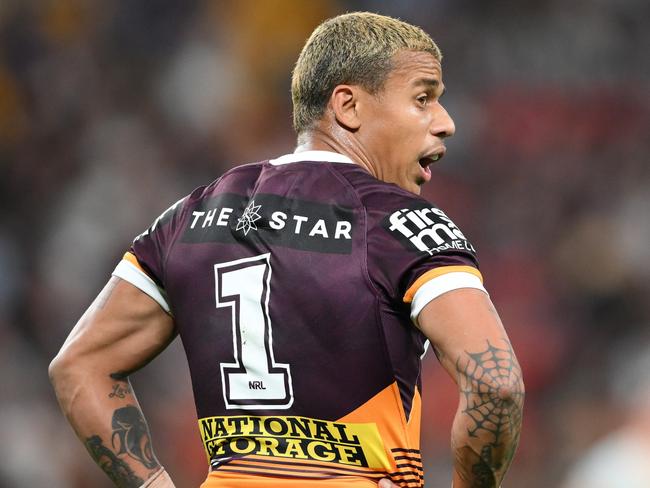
143,265
416,253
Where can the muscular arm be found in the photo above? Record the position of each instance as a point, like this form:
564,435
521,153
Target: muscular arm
121,331
473,347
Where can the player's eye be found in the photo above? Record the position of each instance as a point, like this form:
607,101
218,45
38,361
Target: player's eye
422,100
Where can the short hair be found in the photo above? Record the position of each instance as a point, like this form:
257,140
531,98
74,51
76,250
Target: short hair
355,48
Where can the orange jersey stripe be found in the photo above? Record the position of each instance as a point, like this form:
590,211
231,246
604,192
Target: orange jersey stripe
130,257
226,479
434,273
291,469
310,464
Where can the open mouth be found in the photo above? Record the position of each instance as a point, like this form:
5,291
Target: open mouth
425,162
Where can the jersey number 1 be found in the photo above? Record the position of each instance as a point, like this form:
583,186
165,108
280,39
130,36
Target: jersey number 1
254,380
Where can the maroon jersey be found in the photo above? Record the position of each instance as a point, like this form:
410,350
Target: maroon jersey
293,284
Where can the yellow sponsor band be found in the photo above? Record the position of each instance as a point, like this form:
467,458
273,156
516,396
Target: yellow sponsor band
294,437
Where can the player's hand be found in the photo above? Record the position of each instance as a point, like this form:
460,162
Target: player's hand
386,483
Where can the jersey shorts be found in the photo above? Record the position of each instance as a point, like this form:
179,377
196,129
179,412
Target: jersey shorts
295,284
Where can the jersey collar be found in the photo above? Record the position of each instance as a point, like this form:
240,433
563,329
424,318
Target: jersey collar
312,156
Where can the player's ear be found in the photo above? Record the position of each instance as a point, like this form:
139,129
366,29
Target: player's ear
344,103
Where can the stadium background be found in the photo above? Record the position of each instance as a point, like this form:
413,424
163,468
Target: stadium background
112,110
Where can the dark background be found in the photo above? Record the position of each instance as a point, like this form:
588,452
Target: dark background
112,110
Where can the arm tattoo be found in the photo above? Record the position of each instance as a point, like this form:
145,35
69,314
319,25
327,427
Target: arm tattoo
120,391
117,470
131,437
122,387
491,382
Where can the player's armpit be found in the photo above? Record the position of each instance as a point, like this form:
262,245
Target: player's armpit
472,345
121,331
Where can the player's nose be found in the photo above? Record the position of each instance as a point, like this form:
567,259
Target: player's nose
443,125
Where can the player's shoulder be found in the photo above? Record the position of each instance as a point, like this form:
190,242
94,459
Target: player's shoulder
231,178
397,215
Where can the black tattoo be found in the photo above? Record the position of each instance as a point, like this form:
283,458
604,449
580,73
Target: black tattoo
117,470
491,383
120,391
482,470
131,436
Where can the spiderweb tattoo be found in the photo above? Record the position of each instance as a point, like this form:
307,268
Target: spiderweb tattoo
490,381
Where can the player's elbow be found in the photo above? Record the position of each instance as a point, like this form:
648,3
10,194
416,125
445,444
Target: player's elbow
510,389
60,367
507,392
66,372
70,378
511,393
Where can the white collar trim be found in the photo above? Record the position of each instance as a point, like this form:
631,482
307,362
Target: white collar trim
312,156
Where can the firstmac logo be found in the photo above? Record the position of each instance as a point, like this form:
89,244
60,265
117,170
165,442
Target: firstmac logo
428,229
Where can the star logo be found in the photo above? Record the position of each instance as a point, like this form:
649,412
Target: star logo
247,221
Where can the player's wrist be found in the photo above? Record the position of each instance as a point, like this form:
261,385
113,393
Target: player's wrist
160,479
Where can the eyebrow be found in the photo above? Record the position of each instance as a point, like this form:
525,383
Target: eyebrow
429,82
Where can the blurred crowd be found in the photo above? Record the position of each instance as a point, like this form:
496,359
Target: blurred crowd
112,110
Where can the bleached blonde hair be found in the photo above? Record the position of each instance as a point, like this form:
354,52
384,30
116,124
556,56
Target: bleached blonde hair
355,48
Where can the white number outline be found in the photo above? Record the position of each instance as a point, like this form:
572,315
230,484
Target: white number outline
233,302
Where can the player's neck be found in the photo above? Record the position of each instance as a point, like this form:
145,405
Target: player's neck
320,140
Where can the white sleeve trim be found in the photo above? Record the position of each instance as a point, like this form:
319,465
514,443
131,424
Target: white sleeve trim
130,272
442,284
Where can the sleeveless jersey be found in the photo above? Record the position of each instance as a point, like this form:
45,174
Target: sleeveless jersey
294,284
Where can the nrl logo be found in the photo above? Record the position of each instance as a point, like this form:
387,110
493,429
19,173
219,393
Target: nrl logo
247,221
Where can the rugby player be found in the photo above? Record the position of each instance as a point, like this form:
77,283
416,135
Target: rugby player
305,289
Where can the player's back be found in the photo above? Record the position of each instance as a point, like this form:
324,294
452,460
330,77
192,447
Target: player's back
285,280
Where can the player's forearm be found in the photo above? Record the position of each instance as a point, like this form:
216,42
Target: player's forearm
487,424
478,461
106,416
